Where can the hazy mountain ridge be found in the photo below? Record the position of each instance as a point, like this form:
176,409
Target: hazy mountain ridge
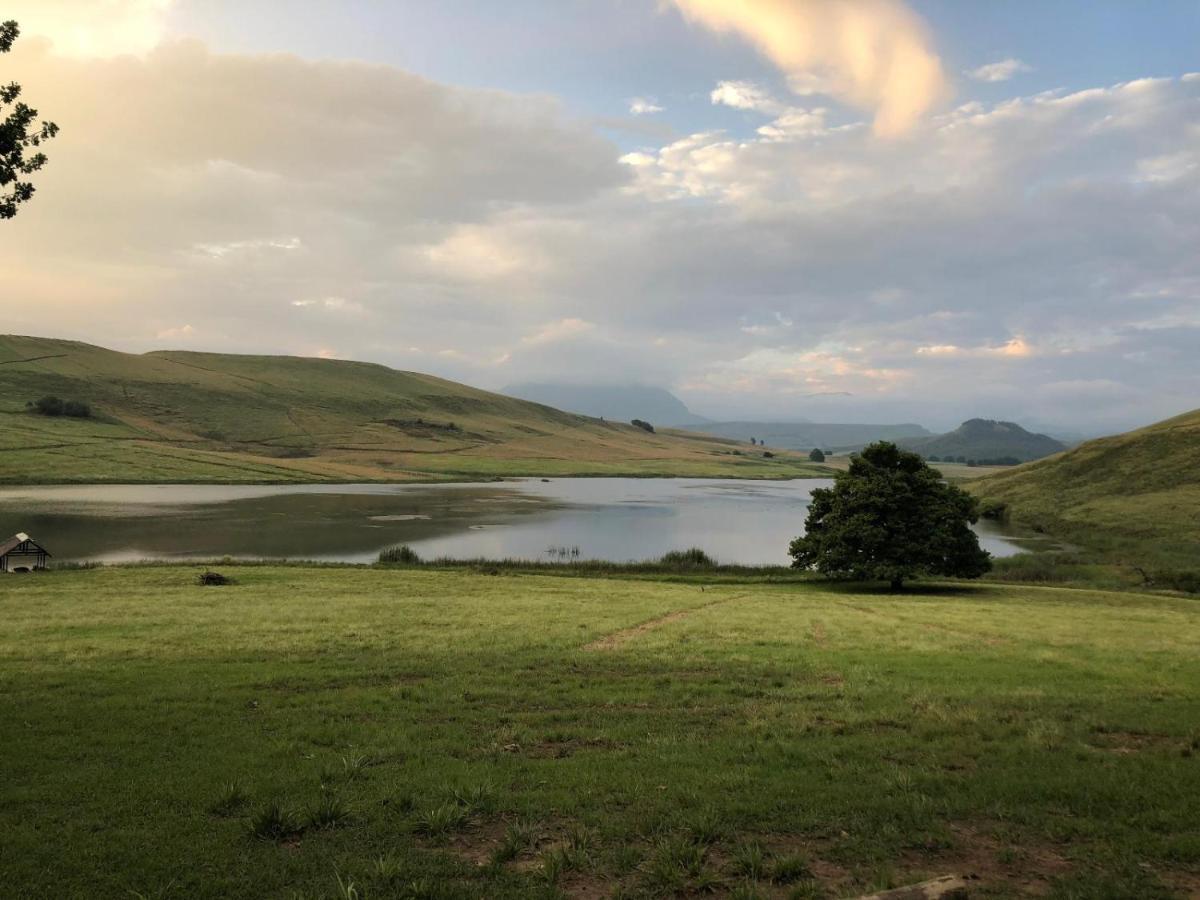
620,403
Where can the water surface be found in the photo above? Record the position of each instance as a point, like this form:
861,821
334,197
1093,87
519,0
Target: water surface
619,519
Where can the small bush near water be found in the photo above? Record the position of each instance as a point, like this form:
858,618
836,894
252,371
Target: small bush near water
683,560
212,579
403,554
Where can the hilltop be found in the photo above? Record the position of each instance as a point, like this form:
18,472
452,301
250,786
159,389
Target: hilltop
619,402
175,416
1134,495
987,440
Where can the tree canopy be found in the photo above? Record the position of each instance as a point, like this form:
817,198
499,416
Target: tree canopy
20,137
817,455
890,517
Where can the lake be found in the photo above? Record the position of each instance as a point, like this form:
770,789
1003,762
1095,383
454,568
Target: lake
620,519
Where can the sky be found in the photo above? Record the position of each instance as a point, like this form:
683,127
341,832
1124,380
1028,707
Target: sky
839,210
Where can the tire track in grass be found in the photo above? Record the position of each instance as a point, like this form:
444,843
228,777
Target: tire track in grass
618,639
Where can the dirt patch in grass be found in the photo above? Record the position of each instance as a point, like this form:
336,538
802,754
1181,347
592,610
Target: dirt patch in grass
619,638
1124,743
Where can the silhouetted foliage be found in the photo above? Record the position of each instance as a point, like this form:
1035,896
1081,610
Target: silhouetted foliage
645,426
817,455
20,137
768,455
890,517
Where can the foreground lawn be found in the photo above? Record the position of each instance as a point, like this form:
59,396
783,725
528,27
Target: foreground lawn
314,732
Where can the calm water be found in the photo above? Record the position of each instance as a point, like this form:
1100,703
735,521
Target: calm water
605,518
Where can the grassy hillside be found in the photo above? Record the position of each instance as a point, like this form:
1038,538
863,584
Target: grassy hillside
986,439
457,735
178,416
1135,496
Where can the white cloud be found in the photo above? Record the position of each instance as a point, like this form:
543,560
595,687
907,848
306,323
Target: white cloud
640,106
999,71
875,55
746,95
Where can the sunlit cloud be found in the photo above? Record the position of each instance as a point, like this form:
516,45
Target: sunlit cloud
93,27
875,54
999,71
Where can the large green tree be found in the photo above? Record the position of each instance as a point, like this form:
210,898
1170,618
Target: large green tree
890,517
21,136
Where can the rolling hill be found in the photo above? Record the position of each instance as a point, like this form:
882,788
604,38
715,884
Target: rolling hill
804,436
176,416
1134,495
986,439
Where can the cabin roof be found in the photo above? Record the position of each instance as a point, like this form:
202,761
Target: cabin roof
17,540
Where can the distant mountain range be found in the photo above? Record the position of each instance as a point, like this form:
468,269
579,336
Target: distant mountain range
807,435
619,403
986,440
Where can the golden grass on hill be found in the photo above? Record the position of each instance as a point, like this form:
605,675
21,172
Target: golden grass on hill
179,416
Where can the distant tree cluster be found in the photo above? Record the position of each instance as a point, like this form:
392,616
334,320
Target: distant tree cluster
645,426
56,406
890,517
21,136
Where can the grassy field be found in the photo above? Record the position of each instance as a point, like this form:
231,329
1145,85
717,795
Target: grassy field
365,732
1132,498
197,417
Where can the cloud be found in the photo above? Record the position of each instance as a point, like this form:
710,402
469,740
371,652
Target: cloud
1048,240
563,329
93,27
640,106
875,54
746,95
999,71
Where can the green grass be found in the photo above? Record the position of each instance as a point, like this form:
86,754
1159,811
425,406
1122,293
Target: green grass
319,732
200,417
1132,499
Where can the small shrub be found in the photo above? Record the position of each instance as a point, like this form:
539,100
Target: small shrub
274,822
817,455
330,812
645,426
233,798
750,860
439,821
790,869
403,554
768,455
212,579
56,406
692,558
